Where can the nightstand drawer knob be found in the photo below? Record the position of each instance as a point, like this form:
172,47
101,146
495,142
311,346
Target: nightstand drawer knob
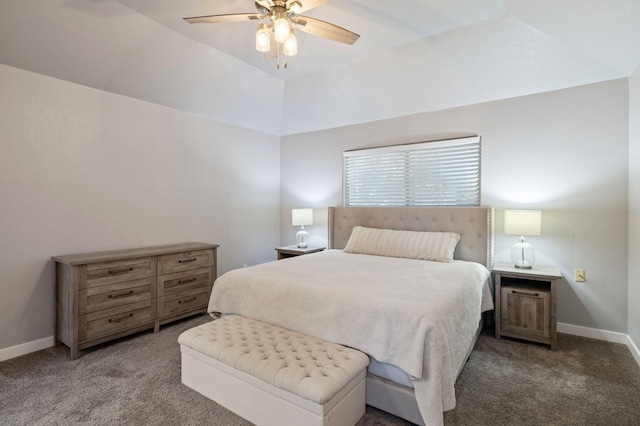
525,293
193,259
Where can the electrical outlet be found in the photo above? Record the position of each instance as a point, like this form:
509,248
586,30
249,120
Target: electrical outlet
578,275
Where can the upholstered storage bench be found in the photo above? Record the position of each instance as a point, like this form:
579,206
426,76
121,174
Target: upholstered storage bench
273,376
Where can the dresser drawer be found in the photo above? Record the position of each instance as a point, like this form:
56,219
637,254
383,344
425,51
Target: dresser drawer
119,271
182,302
112,295
112,320
185,261
197,279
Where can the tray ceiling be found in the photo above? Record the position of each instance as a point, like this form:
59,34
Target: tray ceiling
413,56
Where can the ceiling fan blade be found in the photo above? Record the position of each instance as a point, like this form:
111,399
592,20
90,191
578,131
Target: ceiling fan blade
267,4
273,52
214,19
306,4
324,29
263,6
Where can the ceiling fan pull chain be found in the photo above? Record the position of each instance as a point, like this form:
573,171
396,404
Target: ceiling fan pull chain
278,57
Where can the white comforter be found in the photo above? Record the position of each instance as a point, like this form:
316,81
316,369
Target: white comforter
418,315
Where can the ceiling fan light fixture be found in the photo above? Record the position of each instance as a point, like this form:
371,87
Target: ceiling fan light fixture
283,15
281,29
263,38
291,45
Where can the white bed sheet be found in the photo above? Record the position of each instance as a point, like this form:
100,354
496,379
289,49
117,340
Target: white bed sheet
418,315
389,372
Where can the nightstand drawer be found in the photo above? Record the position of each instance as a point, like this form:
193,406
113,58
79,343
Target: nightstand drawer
119,271
185,261
113,295
525,311
182,302
108,321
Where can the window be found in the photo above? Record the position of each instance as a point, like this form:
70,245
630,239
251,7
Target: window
439,173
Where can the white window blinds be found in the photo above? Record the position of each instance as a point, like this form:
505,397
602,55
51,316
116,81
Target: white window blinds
439,173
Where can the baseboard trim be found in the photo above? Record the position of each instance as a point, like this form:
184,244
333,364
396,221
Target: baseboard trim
26,348
607,336
576,330
593,333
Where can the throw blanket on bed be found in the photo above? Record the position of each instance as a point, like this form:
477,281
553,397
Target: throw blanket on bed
416,314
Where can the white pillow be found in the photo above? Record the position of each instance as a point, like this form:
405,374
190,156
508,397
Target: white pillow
438,246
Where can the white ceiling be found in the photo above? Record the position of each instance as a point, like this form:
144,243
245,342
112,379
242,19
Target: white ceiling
380,24
413,55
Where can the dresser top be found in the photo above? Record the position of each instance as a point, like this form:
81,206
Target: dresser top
105,256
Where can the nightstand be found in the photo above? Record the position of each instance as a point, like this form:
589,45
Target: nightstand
526,303
292,251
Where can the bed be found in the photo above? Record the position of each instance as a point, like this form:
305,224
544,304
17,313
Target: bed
417,319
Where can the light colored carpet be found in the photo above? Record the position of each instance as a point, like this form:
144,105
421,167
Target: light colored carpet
136,381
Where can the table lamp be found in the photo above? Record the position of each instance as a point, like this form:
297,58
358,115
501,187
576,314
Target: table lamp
302,217
522,222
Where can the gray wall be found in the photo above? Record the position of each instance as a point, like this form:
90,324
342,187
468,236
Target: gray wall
564,152
634,207
84,170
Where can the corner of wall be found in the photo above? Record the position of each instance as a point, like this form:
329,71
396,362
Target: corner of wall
634,350
633,316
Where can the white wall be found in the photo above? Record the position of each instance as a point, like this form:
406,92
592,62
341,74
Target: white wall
634,208
564,152
85,170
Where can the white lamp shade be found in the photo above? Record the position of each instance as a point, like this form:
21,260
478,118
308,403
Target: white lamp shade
301,217
281,29
523,222
291,45
263,39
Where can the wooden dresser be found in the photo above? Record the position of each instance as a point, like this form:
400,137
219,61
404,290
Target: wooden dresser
106,295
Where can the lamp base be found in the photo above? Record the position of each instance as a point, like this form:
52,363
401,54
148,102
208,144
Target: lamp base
522,255
302,238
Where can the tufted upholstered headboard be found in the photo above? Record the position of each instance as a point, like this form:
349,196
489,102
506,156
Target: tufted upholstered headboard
474,224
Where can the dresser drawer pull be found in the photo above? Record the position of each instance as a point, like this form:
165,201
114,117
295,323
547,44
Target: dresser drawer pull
120,271
187,281
120,319
193,259
119,295
526,293
191,299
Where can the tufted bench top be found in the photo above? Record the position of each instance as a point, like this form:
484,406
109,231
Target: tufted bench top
306,366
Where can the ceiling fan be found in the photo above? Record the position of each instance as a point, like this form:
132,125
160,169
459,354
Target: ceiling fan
283,15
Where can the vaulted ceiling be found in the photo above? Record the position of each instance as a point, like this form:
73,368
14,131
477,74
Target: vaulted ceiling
412,56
